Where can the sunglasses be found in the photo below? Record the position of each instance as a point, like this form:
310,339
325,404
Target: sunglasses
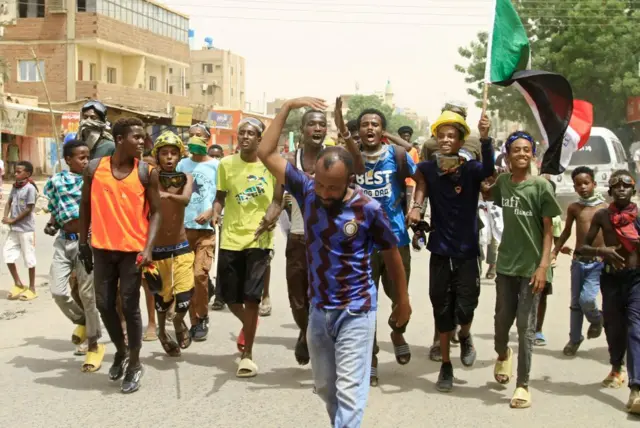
172,179
96,105
625,179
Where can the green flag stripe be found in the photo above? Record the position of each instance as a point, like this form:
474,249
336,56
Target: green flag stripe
509,49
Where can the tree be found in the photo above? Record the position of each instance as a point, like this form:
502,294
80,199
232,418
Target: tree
293,124
590,42
358,103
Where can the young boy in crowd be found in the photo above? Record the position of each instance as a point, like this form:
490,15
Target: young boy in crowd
64,191
528,207
172,255
620,281
540,339
585,271
19,214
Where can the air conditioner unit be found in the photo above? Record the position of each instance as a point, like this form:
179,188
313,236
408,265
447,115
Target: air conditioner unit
57,6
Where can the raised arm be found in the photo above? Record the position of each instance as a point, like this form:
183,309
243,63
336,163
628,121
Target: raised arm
352,147
268,148
486,147
398,141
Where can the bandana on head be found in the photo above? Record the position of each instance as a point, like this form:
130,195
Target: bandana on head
253,122
197,146
516,136
167,138
200,126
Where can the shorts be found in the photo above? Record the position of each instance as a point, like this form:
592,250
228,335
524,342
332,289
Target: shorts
454,289
20,243
241,274
297,272
175,266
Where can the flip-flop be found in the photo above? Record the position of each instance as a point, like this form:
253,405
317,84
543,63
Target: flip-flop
93,360
504,368
182,335
265,308
28,295
81,350
150,336
540,340
79,335
247,368
15,292
170,346
402,351
521,399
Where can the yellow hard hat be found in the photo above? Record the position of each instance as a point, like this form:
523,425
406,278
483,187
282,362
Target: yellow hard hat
168,138
329,142
453,119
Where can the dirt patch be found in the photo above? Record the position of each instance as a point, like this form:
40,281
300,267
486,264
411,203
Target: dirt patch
10,315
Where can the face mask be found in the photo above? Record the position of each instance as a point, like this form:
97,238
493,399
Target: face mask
90,131
197,149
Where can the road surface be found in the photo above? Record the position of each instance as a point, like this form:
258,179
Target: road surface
43,385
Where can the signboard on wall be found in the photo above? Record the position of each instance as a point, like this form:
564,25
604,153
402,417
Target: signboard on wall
14,122
182,116
220,120
70,122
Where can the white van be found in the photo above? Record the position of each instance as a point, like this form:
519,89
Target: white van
603,153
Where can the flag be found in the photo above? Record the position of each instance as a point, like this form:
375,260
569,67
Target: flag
508,47
550,98
577,135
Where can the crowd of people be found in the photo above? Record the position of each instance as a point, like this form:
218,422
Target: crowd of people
129,216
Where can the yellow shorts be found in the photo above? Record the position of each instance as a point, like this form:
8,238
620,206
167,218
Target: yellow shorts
176,273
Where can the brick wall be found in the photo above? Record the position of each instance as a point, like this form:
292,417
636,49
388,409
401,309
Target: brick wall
132,98
91,25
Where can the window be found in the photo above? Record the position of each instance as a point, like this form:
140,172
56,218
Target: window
29,72
218,67
170,89
86,6
31,9
210,90
153,83
92,72
595,152
80,75
207,68
186,85
170,70
111,75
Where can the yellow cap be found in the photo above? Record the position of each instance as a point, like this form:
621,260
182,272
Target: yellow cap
168,138
329,142
453,119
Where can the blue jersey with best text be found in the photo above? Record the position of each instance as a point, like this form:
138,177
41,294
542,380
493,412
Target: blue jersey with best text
380,182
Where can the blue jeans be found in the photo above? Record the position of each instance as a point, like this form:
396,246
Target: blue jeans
340,345
585,286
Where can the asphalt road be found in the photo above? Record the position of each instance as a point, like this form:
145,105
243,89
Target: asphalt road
43,385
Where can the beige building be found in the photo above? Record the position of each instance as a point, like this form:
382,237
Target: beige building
216,79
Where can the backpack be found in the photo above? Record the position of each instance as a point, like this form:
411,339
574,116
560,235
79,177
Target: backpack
402,173
143,170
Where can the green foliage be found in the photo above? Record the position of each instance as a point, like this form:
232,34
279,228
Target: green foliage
358,103
293,124
590,42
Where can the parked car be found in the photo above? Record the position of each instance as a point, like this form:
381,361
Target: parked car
603,153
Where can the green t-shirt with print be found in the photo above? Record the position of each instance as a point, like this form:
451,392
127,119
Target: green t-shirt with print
523,207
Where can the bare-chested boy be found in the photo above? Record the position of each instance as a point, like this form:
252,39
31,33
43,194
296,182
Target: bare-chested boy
585,270
172,255
620,281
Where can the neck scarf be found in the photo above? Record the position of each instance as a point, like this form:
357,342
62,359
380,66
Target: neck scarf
22,183
592,201
624,224
90,131
197,146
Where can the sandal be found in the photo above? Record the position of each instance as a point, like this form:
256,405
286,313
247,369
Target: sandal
151,335
81,350
182,334
16,291
93,360
402,351
247,368
28,295
79,335
491,273
615,379
169,345
217,304
265,307
571,348
373,377
521,399
539,340
504,369
435,353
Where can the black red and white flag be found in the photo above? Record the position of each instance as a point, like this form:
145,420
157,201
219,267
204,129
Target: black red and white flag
550,98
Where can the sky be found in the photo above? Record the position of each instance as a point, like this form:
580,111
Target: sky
323,48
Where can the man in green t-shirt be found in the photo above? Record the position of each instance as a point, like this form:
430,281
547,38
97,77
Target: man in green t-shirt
524,259
252,200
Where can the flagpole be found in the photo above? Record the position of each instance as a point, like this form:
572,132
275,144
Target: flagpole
487,66
485,98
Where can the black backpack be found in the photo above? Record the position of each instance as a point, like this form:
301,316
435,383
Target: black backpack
402,173
143,170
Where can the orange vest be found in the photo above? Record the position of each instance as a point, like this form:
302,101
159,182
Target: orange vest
119,210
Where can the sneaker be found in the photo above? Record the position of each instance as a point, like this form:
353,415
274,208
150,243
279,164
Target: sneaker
571,348
467,351
435,353
633,405
445,378
119,366
201,330
131,381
